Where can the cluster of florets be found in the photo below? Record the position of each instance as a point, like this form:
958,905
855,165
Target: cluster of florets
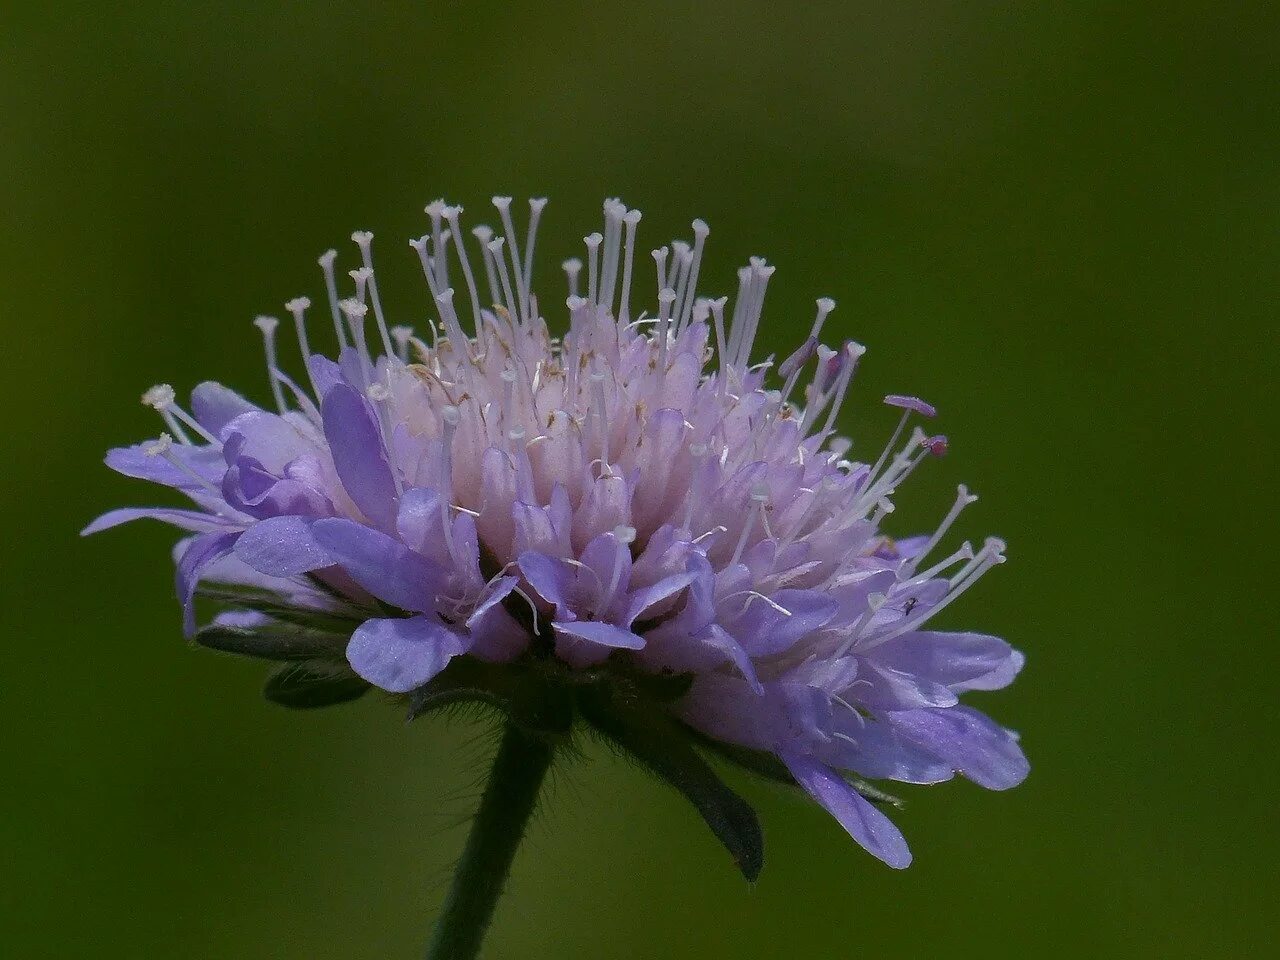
635,492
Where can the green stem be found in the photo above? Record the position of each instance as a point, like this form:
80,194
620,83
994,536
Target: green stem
518,771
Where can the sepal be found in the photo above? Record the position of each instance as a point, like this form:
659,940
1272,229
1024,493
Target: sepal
311,684
648,735
272,641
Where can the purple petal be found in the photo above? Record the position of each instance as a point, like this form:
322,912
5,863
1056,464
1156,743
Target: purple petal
883,688
192,520
548,577
640,602
764,630
359,456
872,829
418,521
875,749
500,591
135,462
200,552
325,374
214,406
945,658
604,634
282,547
911,403
997,679
970,741
382,565
399,655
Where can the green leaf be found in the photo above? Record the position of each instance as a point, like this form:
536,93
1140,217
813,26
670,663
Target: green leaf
274,641
648,735
308,685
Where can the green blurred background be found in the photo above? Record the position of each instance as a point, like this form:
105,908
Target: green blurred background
1058,221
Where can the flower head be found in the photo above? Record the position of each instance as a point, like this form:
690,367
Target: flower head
636,497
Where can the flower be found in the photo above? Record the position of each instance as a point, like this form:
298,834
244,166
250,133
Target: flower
634,499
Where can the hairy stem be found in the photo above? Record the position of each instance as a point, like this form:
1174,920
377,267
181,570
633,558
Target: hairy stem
522,762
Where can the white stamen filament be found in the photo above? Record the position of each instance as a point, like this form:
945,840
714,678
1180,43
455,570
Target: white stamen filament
268,327
963,499
630,219
364,240
331,288
593,241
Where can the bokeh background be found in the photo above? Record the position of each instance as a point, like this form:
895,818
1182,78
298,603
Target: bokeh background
1058,221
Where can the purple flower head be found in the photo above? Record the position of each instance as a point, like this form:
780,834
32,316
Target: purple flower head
622,493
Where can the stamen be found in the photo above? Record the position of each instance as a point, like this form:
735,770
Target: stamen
613,211
700,233
666,298
963,499
160,398
500,266
593,241
536,205
964,553
268,327
402,335
364,240
451,214
572,267
520,309
630,219
355,312
484,234
298,307
421,246
439,259
660,262
331,287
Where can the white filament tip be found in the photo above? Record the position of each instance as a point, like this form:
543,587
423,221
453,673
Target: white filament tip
572,265
482,233
632,217
435,208
537,203
159,397
700,228
666,295
502,203
593,240
362,238
158,447
353,308
379,392
446,297
576,303
516,434
451,415
625,534
266,324
326,259
298,304
401,335
360,274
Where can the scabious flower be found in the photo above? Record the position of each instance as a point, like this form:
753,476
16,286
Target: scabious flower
638,501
